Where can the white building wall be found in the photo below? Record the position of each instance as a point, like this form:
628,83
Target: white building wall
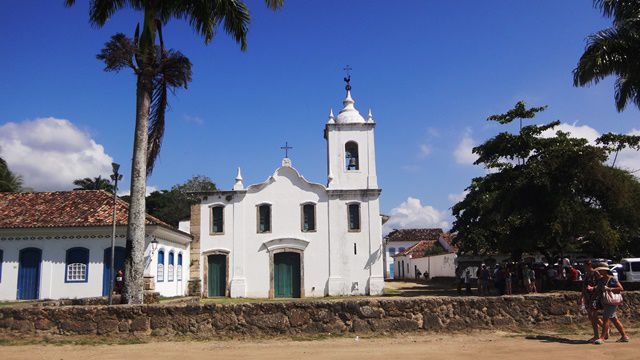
53,266
437,265
396,245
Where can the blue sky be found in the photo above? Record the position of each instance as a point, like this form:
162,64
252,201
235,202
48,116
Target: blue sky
432,71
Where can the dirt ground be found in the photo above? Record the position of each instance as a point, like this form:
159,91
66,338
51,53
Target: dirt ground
490,345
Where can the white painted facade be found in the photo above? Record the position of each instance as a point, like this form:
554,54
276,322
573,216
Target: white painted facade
443,265
334,260
392,248
54,243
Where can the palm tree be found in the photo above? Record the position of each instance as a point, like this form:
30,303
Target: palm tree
614,51
97,183
156,70
9,182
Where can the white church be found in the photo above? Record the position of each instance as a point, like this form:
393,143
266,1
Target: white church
289,237
286,237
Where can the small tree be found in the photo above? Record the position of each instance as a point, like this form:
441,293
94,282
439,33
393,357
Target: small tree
9,182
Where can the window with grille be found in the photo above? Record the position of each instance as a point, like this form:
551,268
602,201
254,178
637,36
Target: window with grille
170,267
160,272
77,265
264,218
179,270
354,217
217,220
308,217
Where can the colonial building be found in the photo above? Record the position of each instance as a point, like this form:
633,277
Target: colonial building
398,241
56,245
289,237
426,259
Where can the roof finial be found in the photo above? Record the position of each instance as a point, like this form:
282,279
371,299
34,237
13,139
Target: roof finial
370,116
238,185
331,117
347,79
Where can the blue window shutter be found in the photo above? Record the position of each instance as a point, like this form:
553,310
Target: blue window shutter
179,259
160,274
170,258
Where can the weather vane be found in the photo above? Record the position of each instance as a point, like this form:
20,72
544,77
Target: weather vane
286,149
347,79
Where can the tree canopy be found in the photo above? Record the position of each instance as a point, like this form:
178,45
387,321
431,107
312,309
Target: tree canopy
549,195
174,205
96,183
9,182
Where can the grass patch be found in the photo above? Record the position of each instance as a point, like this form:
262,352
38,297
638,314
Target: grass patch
61,341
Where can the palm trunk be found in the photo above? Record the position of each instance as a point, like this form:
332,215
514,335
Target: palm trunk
133,292
134,261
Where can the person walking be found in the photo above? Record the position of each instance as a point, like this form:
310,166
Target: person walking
484,280
589,300
467,281
609,289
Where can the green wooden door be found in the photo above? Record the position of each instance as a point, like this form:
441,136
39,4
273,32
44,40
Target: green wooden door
217,275
286,275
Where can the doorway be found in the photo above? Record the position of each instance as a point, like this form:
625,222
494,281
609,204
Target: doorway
286,275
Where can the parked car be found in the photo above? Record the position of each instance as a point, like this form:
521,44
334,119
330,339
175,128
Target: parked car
631,269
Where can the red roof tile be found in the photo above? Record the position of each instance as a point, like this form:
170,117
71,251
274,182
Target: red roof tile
414,234
64,209
417,250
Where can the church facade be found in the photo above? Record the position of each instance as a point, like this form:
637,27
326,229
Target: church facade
289,237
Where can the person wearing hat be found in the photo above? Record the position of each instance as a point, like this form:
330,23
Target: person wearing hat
606,282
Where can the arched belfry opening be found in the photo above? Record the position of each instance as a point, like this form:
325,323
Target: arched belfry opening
352,162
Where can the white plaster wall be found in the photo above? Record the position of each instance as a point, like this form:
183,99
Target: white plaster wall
168,288
397,245
52,271
438,265
363,178
185,226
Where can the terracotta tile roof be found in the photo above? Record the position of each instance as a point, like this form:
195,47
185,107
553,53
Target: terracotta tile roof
64,209
417,250
414,234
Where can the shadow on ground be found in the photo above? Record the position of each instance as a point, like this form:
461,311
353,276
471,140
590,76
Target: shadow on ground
556,339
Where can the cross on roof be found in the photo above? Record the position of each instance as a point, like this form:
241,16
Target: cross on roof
286,149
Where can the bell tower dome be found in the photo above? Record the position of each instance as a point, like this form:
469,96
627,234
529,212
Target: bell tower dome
351,155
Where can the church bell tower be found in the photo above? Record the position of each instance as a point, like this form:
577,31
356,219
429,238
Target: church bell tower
351,155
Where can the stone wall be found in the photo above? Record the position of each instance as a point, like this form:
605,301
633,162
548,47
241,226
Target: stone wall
304,317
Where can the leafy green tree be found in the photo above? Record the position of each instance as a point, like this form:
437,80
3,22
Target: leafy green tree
9,182
617,142
96,183
614,52
158,70
559,197
172,206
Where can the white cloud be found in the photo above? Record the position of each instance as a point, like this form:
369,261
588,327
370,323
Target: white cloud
197,120
424,151
50,153
456,198
463,153
412,214
576,131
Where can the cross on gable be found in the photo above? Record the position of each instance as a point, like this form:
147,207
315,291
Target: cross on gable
286,149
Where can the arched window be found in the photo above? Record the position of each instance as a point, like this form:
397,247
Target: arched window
160,273
392,251
77,265
308,217
264,218
1,261
351,160
170,267
179,270
217,219
354,217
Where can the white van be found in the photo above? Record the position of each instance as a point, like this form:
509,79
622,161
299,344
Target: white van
631,268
